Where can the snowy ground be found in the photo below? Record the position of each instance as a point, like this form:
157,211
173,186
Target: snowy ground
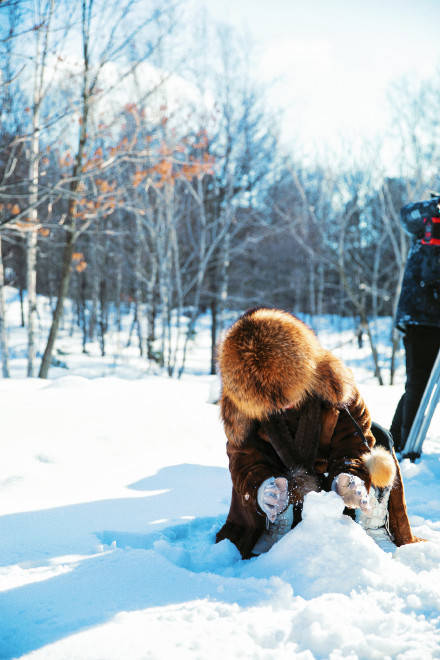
111,491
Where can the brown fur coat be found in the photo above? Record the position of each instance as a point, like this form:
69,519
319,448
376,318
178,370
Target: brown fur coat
291,408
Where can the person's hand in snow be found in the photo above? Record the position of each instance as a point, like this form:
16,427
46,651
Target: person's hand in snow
352,490
273,496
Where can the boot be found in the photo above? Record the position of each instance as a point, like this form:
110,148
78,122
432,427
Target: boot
375,521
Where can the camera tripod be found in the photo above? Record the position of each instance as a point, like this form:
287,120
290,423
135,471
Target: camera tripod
422,420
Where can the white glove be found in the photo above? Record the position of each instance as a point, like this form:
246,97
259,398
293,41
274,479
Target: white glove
273,496
352,490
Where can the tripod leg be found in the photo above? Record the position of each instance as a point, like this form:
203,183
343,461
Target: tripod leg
427,419
431,395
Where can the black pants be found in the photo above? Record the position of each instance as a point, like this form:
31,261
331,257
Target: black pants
422,344
382,436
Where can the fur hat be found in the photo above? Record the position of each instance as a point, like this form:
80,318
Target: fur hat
270,360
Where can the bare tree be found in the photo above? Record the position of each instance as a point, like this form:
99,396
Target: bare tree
119,33
43,13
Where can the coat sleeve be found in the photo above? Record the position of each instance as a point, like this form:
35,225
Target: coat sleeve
347,446
248,462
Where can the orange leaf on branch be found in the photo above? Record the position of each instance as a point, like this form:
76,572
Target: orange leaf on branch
82,265
138,177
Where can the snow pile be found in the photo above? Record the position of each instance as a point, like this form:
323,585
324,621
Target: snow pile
327,552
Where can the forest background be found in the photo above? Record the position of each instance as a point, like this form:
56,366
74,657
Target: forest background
143,174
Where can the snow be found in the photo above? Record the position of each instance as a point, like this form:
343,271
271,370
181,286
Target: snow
111,492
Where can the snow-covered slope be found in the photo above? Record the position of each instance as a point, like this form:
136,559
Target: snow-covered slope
111,491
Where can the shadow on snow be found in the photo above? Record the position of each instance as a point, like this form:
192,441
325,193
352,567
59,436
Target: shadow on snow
166,563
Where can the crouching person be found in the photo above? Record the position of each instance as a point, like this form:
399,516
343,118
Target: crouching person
296,422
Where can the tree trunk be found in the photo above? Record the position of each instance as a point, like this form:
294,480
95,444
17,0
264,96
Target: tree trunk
320,292
118,271
103,316
3,336
224,280
94,284
71,235
31,275
201,269
177,280
214,317
312,288
151,323
66,273
31,237
83,310
41,51
151,308
22,321
137,289
377,370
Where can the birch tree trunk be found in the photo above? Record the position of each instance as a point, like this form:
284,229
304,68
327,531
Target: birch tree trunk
3,336
41,50
174,244
31,266
137,290
118,272
94,283
71,236
150,311
320,293
214,331
62,294
224,280
312,288
218,304
200,273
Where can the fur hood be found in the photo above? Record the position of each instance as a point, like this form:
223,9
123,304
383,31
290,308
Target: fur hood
271,360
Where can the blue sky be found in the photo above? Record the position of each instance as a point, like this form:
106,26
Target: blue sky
335,59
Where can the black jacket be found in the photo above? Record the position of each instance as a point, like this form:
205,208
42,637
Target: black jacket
419,301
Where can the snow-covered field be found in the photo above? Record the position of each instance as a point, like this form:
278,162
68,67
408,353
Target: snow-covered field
111,491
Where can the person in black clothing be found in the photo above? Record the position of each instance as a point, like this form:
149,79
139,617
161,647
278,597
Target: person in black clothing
418,311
